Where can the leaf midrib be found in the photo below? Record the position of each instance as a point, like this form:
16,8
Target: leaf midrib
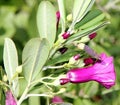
45,20
8,56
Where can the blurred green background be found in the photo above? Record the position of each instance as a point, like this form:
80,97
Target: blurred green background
18,21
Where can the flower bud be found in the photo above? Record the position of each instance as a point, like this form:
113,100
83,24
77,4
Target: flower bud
88,38
93,35
5,78
58,15
64,81
19,69
81,46
65,35
57,100
63,50
73,60
69,18
57,82
88,50
76,57
58,18
88,61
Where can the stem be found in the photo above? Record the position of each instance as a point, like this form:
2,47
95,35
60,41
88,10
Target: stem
53,67
52,52
37,95
22,98
47,101
3,83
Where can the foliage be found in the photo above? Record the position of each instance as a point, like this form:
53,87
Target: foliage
30,43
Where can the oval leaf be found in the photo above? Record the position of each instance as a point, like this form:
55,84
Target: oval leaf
86,31
61,4
34,57
80,8
46,21
10,58
90,19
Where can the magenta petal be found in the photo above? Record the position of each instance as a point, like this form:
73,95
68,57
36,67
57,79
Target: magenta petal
66,35
102,72
57,100
10,100
58,15
93,35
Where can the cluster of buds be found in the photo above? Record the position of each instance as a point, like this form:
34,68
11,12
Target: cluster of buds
74,60
88,38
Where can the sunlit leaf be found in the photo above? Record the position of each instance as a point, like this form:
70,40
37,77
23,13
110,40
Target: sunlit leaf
86,31
80,8
62,58
46,21
68,5
92,18
61,4
10,58
34,57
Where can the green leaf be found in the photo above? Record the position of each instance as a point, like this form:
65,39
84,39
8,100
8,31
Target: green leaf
34,100
61,4
33,32
77,101
68,5
10,58
86,31
80,8
93,17
2,95
64,103
46,21
34,57
62,58
22,85
90,89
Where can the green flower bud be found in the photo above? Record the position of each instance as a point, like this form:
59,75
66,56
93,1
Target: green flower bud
69,17
5,78
19,69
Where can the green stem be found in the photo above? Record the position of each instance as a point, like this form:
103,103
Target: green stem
23,96
53,67
47,101
3,83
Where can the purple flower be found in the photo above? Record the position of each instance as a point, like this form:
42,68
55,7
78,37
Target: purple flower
10,100
63,50
93,35
57,100
102,71
88,61
58,15
76,57
58,18
65,35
